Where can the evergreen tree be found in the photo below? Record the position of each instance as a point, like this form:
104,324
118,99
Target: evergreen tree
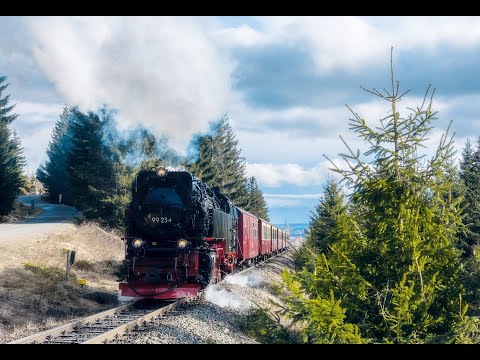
256,202
470,175
218,162
12,160
393,272
90,166
323,219
231,165
141,149
53,174
204,167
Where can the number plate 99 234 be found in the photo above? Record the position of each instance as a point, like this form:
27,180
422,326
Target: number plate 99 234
159,219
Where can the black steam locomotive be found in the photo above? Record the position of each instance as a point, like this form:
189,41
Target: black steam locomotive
181,235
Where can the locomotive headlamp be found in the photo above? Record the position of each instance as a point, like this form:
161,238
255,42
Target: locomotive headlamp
137,243
161,171
182,243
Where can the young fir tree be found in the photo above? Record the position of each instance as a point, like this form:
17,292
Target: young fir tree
53,174
256,202
12,160
392,273
323,222
324,218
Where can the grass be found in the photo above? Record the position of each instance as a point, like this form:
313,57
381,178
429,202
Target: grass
34,294
84,265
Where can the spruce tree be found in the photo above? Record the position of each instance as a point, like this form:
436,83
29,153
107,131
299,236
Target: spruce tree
470,175
323,219
53,174
393,271
204,166
256,202
90,166
231,165
219,164
12,160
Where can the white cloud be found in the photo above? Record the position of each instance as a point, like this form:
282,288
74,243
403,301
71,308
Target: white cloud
162,72
301,135
34,126
272,175
37,112
242,36
348,42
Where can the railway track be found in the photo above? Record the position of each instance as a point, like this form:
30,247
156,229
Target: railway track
111,324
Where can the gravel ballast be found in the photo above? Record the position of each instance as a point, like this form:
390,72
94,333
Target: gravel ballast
215,318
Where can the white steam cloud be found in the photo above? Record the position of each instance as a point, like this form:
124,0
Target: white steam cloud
226,299
162,72
250,279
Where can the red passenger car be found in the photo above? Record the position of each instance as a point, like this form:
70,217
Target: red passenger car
248,237
265,238
274,239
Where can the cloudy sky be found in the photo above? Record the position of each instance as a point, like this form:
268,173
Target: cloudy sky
284,81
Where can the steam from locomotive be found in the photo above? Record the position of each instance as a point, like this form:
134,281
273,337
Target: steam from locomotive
181,235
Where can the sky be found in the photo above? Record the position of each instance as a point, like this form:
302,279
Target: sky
284,82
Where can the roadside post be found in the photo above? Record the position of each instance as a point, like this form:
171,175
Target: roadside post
70,261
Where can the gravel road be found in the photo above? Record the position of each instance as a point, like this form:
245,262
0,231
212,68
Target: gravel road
53,218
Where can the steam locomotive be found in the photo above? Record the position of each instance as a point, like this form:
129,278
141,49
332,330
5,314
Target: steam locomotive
182,235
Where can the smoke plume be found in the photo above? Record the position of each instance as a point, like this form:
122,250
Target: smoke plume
162,72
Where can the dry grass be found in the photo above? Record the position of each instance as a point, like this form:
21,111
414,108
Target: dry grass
33,292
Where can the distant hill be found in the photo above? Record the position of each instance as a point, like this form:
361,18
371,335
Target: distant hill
295,229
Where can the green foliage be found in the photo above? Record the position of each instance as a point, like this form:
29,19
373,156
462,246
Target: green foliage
324,220
143,150
470,176
218,162
323,318
12,160
256,203
471,280
53,174
466,330
265,326
90,167
50,273
387,267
